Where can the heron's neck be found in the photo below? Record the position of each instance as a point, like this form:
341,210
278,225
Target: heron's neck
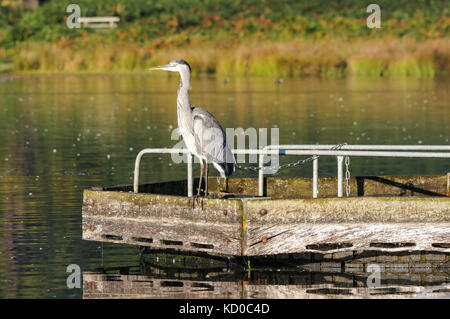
183,103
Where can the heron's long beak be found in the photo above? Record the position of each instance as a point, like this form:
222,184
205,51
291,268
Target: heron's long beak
161,67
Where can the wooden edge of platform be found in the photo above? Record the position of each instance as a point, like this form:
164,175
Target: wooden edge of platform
250,227
270,239
350,209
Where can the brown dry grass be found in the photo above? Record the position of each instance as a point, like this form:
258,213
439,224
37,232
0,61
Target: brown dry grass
397,57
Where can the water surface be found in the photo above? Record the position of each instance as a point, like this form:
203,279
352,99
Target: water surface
60,134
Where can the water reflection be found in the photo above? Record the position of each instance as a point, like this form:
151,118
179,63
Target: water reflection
176,275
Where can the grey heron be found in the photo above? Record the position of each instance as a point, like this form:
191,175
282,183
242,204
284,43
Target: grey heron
202,133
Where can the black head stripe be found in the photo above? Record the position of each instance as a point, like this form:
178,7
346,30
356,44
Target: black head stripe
181,61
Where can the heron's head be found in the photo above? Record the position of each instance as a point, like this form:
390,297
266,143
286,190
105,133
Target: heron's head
178,65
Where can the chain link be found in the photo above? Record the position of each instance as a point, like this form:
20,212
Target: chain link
347,176
248,168
293,164
337,147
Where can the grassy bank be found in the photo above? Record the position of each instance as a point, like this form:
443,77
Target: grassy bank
335,58
233,37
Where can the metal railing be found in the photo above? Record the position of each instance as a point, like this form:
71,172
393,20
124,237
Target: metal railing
408,151
340,159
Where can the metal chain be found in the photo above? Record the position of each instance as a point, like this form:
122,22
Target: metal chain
347,176
298,163
248,168
290,165
337,147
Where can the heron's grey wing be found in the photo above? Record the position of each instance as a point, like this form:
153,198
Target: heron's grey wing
211,137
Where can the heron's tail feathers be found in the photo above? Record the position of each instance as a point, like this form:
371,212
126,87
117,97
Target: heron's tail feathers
225,169
229,169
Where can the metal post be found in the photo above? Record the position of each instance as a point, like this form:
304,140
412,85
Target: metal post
315,177
190,181
261,176
340,162
136,171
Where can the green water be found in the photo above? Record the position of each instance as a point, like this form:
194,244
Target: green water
60,134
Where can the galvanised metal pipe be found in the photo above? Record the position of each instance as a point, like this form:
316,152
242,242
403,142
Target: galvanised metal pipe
261,176
190,180
346,153
137,163
362,147
340,174
315,177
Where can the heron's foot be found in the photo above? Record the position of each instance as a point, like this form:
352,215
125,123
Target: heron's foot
197,198
222,194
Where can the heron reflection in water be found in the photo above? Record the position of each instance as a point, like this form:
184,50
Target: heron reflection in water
202,133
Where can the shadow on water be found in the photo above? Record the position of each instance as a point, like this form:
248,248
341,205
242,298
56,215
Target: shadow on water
174,274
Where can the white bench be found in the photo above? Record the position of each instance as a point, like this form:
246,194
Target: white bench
99,22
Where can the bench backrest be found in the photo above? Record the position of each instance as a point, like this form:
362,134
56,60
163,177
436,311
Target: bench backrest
99,22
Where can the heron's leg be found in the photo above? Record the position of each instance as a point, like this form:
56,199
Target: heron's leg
206,178
201,177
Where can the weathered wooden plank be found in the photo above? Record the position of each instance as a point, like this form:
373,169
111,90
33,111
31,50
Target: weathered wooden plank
301,187
345,210
163,221
274,239
178,234
290,226
431,185
448,184
131,205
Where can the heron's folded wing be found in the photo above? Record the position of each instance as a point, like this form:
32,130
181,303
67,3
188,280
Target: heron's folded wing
210,136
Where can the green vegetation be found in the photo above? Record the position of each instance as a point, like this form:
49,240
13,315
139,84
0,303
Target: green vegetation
233,37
